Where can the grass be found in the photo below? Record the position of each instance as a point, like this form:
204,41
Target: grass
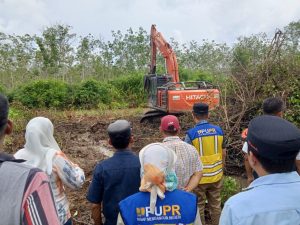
230,187
20,115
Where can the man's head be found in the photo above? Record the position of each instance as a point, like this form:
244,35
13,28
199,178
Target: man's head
273,144
273,106
120,134
5,123
200,111
169,125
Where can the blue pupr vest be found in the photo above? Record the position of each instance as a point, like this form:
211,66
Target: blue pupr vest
178,207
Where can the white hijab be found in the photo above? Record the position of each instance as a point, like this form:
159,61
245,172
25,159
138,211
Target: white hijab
159,155
40,146
164,159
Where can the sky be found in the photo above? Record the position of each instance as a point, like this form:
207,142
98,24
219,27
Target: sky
184,20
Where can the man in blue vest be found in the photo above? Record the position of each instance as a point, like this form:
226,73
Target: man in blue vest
159,202
208,139
274,197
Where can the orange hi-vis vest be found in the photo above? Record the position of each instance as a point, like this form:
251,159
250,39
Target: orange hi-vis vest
208,140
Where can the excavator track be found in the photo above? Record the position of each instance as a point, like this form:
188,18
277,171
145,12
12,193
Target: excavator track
152,115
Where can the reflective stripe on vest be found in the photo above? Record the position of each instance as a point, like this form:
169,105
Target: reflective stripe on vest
208,140
178,207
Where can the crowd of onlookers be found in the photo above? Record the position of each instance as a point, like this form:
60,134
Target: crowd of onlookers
170,182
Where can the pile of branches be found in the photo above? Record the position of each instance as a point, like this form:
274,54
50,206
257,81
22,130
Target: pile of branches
267,74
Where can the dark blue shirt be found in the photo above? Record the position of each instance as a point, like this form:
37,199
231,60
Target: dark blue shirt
114,179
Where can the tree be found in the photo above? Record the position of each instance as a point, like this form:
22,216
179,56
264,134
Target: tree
55,50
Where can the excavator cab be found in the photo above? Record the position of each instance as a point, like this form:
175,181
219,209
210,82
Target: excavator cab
151,84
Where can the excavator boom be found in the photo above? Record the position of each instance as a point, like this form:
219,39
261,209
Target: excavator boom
158,42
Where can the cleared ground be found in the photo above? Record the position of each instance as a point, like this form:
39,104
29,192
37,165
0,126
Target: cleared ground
82,137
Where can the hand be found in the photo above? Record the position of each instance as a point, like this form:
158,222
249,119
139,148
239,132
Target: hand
187,189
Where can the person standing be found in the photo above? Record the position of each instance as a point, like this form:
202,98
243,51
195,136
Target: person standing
188,165
25,192
272,106
42,151
159,201
208,139
115,178
272,198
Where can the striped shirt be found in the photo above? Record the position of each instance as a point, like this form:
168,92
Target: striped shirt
188,160
64,173
38,203
37,207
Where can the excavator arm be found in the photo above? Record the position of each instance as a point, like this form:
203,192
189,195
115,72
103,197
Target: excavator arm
158,42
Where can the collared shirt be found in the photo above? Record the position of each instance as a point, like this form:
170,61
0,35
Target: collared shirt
114,179
245,147
270,199
187,138
189,141
64,173
188,160
37,205
298,156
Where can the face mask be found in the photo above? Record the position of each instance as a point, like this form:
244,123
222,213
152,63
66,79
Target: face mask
171,180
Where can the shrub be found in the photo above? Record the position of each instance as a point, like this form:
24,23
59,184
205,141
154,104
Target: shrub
91,94
130,89
44,94
2,90
230,188
195,75
293,112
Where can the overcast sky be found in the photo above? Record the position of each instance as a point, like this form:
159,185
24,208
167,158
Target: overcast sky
185,20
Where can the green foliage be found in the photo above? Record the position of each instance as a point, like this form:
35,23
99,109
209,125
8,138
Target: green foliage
249,51
54,48
230,188
91,93
293,101
20,116
2,90
195,75
130,89
126,91
14,113
44,94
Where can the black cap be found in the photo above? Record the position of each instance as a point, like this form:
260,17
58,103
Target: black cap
119,129
273,137
200,108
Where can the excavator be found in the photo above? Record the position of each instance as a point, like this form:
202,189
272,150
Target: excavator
166,94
